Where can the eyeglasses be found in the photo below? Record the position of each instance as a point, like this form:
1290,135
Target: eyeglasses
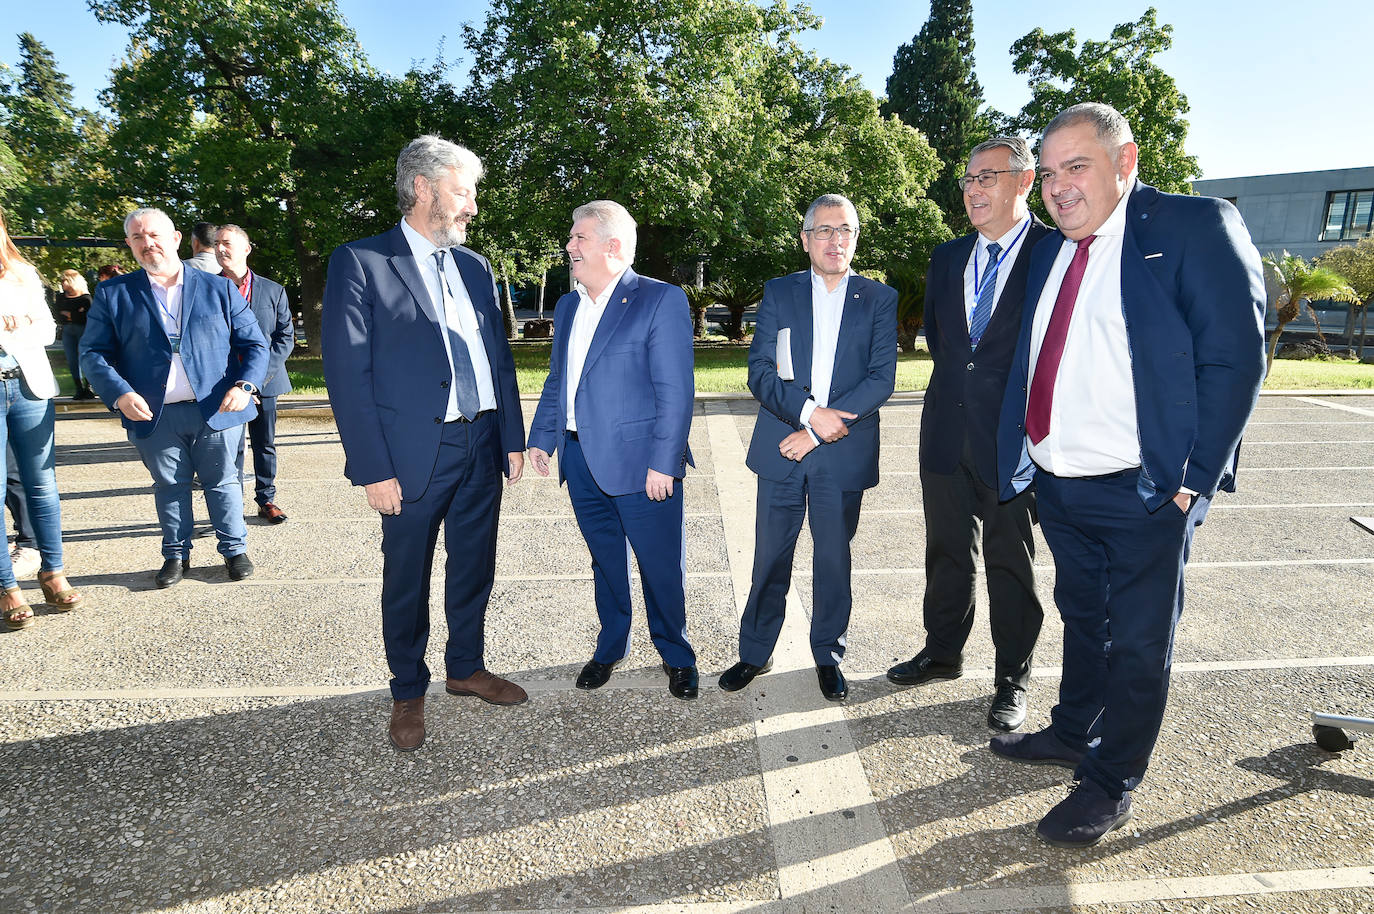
826,232
984,178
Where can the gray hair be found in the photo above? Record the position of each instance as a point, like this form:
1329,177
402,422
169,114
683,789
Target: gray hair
236,229
1109,124
1021,157
824,201
144,212
429,157
612,221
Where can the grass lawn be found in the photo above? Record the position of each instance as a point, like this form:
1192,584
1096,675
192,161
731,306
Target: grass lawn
1307,374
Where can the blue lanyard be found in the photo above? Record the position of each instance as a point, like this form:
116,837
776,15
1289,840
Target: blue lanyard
176,319
1001,257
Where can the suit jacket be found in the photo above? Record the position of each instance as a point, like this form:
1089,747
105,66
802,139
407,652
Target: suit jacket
1192,293
386,367
864,376
273,311
634,399
125,347
964,398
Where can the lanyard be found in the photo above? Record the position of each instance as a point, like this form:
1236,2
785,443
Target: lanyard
1001,257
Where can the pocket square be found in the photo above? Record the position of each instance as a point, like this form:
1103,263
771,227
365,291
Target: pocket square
1153,256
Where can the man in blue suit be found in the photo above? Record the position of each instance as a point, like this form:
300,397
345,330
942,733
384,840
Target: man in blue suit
1138,365
273,313
178,353
973,298
617,407
823,360
423,388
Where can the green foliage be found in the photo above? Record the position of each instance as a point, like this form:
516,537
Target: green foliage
698,300
704,117
1122,73
1299,284
1355,264
911,304
933,88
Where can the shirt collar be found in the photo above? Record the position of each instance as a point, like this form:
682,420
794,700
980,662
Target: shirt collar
605,296
818,283
1116,222
1006,241
420,246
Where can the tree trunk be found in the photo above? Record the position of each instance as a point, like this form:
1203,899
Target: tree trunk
1273,347
1364,322
543,283
508,311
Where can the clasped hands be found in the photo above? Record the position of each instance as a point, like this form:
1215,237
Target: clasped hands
136,409
829,426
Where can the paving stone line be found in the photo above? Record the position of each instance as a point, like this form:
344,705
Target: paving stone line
831,845
1341,406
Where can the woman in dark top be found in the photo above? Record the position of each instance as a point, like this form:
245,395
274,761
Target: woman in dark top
72,306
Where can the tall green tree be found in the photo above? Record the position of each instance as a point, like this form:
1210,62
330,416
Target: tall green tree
704,117
1299,284
1355,264
1122,73
933,88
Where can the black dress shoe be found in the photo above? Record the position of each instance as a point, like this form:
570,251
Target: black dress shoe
594,675
172,571
240,566
1008,709
741,674
682,681
924,668
833,686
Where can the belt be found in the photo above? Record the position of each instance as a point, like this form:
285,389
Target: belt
9,374
572,434
465,419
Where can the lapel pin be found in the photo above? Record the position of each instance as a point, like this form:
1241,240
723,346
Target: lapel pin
624,299
856,294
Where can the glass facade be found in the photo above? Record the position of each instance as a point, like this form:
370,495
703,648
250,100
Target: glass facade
1348,215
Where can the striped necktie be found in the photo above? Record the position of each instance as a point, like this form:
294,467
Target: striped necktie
982,311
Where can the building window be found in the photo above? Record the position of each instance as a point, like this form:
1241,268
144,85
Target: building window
1349,215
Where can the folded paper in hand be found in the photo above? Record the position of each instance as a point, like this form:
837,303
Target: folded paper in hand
785,354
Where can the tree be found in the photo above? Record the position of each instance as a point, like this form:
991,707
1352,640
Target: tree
1355,264
1299,284
934,89
1122,73
705,118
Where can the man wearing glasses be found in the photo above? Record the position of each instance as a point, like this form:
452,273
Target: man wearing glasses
823,360
972,316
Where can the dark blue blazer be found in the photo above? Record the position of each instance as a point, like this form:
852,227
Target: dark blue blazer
634,399
273,311
864,376
1192,292
386,367
964,397
125,348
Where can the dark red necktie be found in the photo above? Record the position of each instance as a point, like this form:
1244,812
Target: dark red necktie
1052,347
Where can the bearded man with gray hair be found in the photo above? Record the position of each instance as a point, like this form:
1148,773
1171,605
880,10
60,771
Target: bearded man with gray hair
423,388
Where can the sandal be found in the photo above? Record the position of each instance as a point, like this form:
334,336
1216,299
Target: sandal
64,601
17,617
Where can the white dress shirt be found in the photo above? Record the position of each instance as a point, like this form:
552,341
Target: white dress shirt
827,310
459,314
1011,247
168,300
585,321
1092,418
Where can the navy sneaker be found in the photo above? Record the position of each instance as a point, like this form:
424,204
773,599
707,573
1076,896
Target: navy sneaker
1042,747
1084,817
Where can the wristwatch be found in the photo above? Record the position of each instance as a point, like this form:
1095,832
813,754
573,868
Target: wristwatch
248,386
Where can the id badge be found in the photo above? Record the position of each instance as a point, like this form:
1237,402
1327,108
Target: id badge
176,344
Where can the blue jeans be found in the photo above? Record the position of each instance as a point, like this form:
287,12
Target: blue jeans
181,446
28,429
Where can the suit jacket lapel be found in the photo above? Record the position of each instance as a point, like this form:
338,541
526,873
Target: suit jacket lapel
622,298
1016,278
959,318
854,312
803,329
403,261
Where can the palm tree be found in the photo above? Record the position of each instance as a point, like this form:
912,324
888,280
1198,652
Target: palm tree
1300,283
698,300
735,297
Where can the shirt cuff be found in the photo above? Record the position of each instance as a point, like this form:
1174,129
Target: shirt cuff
807,409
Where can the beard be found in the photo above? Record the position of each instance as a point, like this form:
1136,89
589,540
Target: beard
445,232
159,264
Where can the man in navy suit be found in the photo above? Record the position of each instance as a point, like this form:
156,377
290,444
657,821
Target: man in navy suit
972,317
178,353
273,313
1139,362
617,407
823,360
423,388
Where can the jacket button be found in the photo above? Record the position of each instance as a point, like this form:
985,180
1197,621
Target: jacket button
444,384
970,366
806,388
438,420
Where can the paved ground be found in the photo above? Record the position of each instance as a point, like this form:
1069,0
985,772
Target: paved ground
221,747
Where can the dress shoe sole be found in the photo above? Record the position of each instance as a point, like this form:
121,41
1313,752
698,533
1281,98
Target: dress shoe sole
503,704
1061,762
1095,841
1001,727
400,748
923,678
835,696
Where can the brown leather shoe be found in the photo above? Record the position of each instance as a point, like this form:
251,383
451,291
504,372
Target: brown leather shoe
491,689
271,513
407,730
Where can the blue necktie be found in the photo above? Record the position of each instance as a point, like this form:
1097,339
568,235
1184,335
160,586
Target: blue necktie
982,311
464,378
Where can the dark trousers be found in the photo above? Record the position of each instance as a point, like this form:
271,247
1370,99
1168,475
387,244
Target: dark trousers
613,526
961,512
18,504
71,346
782,506
464,495
262,435
1119,589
